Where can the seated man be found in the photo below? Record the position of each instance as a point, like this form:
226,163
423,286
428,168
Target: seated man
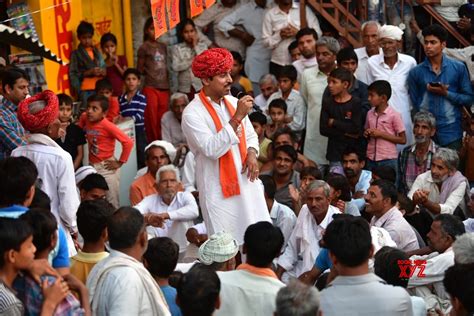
157,154
284,159
463,249
458,281
171,121
120,284
444,231
285,136
169,213
93,187
381,200
219,251
282,216
353,162
349,243
303,245
442,189
253,287
415,159
297,299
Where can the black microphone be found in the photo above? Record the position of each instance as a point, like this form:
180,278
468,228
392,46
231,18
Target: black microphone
241,94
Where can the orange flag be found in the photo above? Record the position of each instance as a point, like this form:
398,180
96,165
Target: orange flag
208,3
172,11
197,6
158,13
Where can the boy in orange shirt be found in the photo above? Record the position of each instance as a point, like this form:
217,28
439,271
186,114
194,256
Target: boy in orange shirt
86,64
101,135
104,87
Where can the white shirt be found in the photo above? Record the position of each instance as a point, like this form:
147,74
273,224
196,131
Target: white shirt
261,102
182,210
56,179
274,21
171,129
250,17
246,293
296,108
188,174
301,252
398,228
284,218
397,77
361,72
121,290
436,265
425,182
236,213
312,88
304,63
448,9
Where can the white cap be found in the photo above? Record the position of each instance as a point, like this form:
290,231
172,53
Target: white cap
167,146
390,31
83,172
220,247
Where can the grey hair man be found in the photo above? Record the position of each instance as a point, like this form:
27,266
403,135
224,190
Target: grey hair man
416,158
370,41
442,189
303,244
463,249
171,121
169,213
268,85
313,83
297,299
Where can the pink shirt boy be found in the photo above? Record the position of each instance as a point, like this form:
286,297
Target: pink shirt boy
390,121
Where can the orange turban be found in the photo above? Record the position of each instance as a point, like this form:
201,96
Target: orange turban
36,116
212,62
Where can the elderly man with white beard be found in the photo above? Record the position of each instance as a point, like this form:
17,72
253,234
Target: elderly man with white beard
415,159
169,213
443,188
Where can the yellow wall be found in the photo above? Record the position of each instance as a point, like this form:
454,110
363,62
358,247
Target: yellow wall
57,30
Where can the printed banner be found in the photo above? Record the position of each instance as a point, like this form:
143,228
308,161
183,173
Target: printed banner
172,11
196,6
158,12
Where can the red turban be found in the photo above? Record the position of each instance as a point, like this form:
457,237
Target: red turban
40,119
212,62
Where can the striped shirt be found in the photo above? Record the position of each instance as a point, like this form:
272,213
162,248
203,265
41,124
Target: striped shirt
9,303
134,108
11,130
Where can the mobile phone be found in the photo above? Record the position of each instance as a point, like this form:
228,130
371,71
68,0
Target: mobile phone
435,84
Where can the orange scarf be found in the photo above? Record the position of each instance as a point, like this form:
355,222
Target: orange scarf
266,272
227,173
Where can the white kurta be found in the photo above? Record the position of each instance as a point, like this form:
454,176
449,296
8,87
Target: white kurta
236,213
182,211
397,77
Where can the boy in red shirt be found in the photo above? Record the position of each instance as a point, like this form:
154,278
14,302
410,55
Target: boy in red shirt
104,87
101,135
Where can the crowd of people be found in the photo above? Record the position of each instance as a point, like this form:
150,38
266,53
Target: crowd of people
281,172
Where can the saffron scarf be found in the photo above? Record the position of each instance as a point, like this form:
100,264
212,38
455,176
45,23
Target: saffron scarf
227,172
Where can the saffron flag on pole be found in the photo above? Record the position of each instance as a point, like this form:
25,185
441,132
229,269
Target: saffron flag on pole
196,6
158,13
172,11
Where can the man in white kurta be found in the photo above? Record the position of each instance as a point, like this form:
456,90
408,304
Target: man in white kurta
174,210
379,68
236,212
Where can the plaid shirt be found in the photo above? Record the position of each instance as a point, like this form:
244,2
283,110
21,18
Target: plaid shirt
11,131
409,169
30,293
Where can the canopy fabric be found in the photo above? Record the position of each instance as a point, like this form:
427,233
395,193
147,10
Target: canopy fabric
10,36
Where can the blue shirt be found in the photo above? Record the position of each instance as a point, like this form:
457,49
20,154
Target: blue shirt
134,108
447,110
170,297
60,252
323,262
11,130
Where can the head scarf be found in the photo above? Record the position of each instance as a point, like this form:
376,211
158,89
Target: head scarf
83,172
220,247
391,32
212,62
170,150
39,111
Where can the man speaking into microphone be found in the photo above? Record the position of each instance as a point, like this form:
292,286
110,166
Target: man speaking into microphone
225,147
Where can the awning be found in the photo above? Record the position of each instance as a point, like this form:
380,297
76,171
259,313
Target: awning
10,36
